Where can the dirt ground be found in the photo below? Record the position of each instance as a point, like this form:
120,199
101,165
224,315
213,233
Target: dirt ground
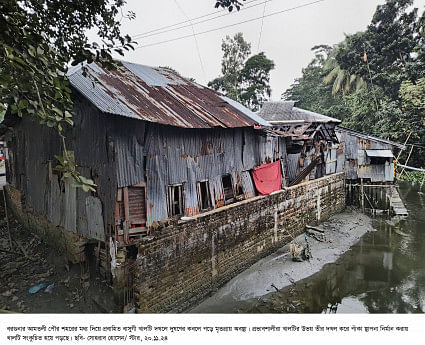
76,288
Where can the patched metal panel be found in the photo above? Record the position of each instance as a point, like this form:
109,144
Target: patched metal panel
54,202
95,224
379,153
377,173
340,156
364,171
82,217
247,184
331,161
292,165
156,190
362,158
377,145
351,145
130,169
69,219
389,172
216,190
159,95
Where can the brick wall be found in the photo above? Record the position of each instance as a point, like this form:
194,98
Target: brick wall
188,260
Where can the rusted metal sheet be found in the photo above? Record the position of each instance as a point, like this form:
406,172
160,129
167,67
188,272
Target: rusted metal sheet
331,161
292,165
351,169
379,153
159,95
130,169
377,173
95,225
283,111
340,156
375,143
389,172
362,158
69,211
247,184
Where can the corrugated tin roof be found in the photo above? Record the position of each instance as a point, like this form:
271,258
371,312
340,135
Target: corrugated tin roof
380,153
159,95
369,137
285,111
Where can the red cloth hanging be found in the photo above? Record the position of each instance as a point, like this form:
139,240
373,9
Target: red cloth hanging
267,178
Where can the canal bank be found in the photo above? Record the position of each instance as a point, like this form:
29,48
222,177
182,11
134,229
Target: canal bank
384,272
278,271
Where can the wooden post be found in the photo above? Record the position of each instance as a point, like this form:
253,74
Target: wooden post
362,194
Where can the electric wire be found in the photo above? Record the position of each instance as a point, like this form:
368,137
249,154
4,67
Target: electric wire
171,28
196,40
146,34
262,24
230,25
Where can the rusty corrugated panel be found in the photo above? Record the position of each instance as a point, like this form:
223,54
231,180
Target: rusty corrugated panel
331,161
389,172
379,153
130,169
95,226
374,141
292,165
247,184
282,111
159,95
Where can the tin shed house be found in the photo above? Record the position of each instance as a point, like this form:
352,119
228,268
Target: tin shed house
311,140
177,210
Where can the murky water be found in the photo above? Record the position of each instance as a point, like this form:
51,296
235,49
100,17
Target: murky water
383,273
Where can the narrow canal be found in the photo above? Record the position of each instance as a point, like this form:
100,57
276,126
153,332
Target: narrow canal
383,273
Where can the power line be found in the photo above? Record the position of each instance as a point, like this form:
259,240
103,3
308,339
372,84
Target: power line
230,25
262,24
170,28
196,41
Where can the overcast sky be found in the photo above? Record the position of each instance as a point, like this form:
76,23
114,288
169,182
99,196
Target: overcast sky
287,38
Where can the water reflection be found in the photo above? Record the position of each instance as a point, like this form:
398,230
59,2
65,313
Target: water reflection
383,273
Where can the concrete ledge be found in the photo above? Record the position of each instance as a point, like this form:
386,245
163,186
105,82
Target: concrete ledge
184,262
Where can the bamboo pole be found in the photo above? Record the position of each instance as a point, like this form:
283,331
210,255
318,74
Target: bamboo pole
407,161
399,154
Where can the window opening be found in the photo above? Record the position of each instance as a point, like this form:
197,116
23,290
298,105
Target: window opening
378,160
130,212
204,199
229,196
175,200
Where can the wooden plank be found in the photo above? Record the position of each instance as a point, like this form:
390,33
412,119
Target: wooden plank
315,228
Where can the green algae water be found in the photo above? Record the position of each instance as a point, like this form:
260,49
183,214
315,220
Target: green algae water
383,273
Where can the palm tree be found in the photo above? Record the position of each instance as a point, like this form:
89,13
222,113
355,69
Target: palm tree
342,80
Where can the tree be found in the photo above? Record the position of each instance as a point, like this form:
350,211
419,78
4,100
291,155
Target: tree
230,4
342,81
39,38
311,92
243,79
388,43
375,77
